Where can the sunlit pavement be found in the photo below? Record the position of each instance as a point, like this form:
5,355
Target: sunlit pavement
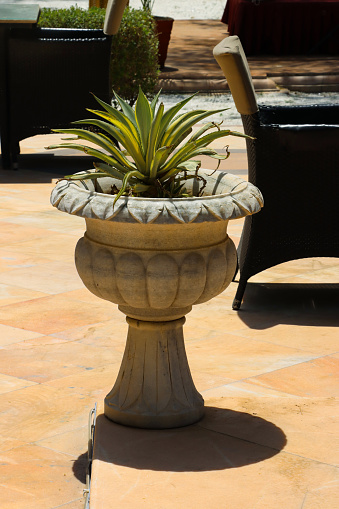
267,373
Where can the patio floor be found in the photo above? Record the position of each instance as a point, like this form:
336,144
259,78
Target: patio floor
268,374
190,64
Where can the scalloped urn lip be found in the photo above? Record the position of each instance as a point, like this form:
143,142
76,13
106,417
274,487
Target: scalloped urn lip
242,200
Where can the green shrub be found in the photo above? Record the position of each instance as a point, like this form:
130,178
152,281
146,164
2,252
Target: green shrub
74,17
134,61
135,56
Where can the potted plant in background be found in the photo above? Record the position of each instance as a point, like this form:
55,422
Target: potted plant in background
98,3
164,27
155,243
134,56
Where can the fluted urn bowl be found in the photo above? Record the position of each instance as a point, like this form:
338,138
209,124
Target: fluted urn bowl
155,258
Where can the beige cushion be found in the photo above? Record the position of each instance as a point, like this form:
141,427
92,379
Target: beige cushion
114,11
230,56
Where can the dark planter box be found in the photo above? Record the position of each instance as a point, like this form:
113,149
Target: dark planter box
51,75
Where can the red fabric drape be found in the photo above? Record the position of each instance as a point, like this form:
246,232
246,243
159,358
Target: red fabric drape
285,26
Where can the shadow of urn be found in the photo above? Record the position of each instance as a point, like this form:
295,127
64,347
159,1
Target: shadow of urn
223,439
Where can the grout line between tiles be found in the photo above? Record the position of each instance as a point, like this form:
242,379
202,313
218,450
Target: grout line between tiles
283,451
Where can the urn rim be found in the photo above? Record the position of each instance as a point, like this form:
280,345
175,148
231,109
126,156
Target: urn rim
241,200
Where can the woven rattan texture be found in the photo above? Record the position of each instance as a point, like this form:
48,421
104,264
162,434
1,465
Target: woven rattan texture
52,73
294,161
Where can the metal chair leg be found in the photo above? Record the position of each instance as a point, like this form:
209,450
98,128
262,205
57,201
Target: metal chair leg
239,295
6,160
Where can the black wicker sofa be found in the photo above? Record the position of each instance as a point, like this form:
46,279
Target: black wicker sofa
294,161
50,75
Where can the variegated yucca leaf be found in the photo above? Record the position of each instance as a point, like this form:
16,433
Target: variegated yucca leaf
152,151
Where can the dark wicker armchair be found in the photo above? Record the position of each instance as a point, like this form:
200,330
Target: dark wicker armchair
294,161
51,75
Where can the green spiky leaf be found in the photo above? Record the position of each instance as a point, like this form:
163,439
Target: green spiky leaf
147,148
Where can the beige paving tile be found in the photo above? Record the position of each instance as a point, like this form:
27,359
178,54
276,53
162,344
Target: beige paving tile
326,275
234,142
40,141
317,377
237,162
109,334
218,315
94,384
298,267
196,467
51,314
10,260
84,295
312,271
7,215
9,334
38,412
214,319
52,220
40,341
242,389
41,361
205,381
73,442
239,358
76,504
204,378
12,383
235,230
9,443
16,185
16,235
34,196
270,276
194,332
17,204
12,293
307,279
64,276
53,246
322,340
309,424
36,478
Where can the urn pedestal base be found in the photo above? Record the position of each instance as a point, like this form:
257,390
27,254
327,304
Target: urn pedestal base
154,388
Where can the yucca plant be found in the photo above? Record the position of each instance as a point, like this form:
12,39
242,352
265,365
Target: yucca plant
147,5
143,147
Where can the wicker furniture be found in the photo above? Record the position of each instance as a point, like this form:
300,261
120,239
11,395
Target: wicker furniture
294,161
26,17
50,76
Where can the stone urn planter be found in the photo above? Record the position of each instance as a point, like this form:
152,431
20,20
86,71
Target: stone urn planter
155,258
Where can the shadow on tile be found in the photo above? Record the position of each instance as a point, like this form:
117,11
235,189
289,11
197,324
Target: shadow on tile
80,467
42,168
268,304
210,445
